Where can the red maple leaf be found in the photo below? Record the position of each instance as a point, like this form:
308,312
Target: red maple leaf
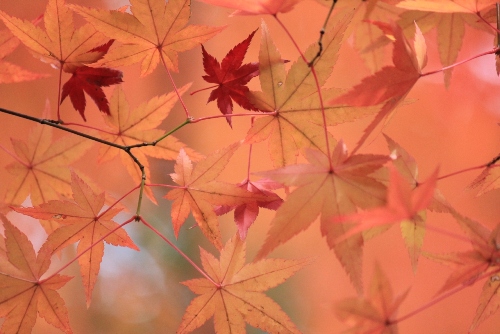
68,50
231,77
246,213
90,80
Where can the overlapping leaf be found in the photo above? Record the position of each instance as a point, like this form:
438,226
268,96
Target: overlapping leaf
82,222
447,6
41,165
199,192
23,294
327,192
450,29
298,122
375,313
66,48
231,77
369,40
130,127
404,205
391,84
156,30
246,213
237,297
10,73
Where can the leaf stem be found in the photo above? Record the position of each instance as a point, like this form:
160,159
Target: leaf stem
56,124
15,157
250,152
59,94
196,120
87,249
318,88
177,249
116,202
164,185
187,121
201,90
321,34
173,84
495,50
89,127
462,171
442,297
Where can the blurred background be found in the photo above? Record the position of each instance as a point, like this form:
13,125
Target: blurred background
139,292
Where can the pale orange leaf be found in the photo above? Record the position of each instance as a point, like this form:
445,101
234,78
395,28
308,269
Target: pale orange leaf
82,222
238,297
199,192
23,294
155,31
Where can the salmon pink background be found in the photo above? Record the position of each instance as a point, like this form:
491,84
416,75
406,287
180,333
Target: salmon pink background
451,129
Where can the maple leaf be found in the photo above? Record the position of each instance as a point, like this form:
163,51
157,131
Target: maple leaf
297,121
10,73
198,192
369,39
90,80
237,297
488,301
81,221
130,127
22,293
66,48
488,180
256,7
450,29
326,192
246,213
469,265
447,6
375,313
391,84
231,77
155,31
403,203
41,165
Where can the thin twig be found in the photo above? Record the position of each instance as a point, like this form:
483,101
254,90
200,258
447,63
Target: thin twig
321,33
177,249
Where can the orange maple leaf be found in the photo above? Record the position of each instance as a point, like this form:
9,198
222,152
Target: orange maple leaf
403,203
297,120
235,295
256,7
155,31
321,191
130,127
471,265
373,314
60,44
23,294
82,221
391,84
199,192
41,165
